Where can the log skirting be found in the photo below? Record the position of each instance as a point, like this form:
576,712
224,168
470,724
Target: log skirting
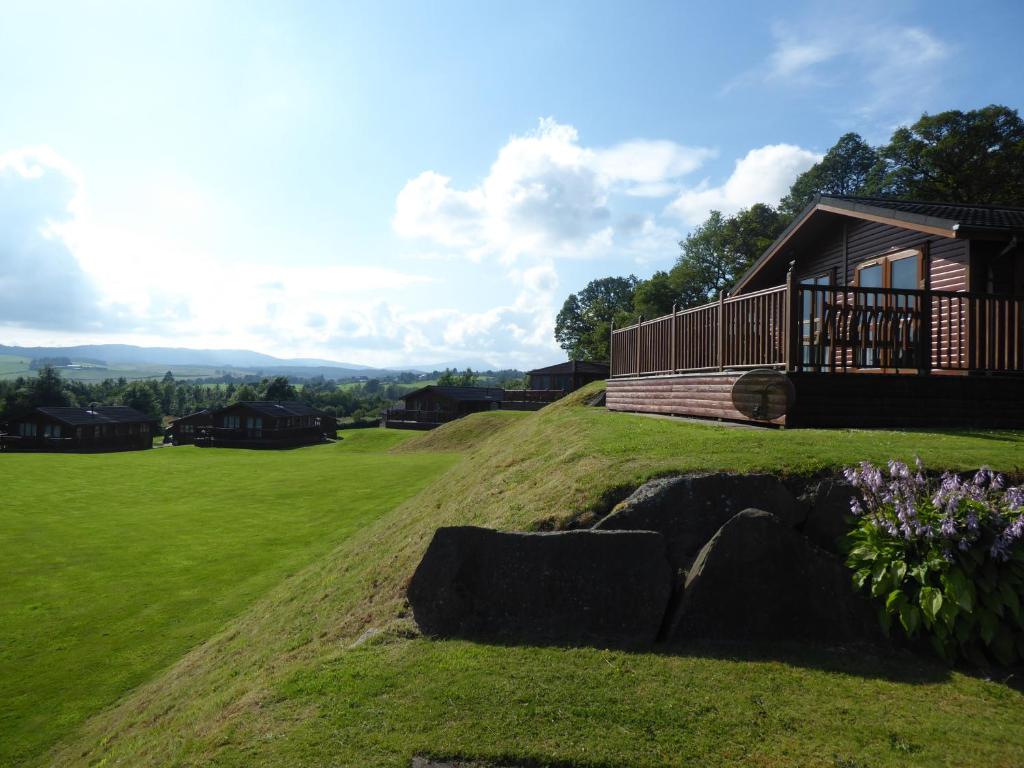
828,400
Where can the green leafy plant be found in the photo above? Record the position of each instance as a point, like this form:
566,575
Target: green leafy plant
943,560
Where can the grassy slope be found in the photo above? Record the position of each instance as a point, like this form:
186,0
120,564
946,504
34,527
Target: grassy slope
281,685
116,564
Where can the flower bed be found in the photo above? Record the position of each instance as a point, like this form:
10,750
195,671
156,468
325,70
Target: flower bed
944,559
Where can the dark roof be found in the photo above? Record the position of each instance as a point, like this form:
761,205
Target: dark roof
943,219
276,408
995,217
461,394
573,366
101,414
205,414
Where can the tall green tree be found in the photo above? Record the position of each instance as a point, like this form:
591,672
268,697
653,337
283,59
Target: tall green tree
142,396
720,250
47,388
850,167
277,388
583,325
958,157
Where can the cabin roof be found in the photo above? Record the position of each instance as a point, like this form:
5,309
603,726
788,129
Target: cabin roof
101,414
204,413
942,219
573,366
276,408
461,394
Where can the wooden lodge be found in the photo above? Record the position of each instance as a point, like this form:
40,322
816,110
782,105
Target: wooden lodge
185,430
568,376
266,424
93,429
433,405
430,406
864,312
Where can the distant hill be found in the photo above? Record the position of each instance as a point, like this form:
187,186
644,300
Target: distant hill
121,354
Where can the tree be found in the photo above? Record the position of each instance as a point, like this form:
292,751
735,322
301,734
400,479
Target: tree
277,388
850,167
140,396
958,157
245,393
47,388
452,378
583,325
720,250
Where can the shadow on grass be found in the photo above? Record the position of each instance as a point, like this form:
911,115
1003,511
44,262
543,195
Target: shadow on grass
863,660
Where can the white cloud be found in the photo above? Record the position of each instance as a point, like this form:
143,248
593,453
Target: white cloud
545,195
546,198
763,175
42,282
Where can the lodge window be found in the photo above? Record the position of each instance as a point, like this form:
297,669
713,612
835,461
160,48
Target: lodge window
27,429
232,422
900,270
813,352
51,430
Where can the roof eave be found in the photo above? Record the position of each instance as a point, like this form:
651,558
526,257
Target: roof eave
856,209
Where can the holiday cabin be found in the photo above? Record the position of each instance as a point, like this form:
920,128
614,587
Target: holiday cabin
93,429
267,424
864,312
185,430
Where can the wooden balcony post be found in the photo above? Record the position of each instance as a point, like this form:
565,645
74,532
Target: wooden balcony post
721,330
673,336
924,335
639,327
792,319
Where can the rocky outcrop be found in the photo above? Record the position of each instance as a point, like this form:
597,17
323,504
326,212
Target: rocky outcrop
828,516
688,510
606,587
758,579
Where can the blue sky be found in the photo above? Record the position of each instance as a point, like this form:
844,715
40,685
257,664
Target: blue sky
407,183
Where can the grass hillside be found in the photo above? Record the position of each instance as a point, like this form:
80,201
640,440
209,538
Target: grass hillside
288,682
114,565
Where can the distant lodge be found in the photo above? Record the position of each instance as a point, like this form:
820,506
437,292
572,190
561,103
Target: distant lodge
254,424
96,428
434,405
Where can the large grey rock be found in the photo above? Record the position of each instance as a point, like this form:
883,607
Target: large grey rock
758,579
565,587
829,517
690,508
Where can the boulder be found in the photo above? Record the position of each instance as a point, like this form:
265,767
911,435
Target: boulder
758,579
828,516
606,587
689,509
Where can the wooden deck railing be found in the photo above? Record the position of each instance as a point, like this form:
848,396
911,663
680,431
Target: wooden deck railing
745,331
832,329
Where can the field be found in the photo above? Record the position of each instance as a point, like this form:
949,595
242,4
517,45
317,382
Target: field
11,367
274,674
115,565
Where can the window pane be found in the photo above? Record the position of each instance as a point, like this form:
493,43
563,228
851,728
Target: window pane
871,277
904,273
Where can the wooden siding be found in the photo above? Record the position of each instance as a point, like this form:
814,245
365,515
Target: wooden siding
824,400
701,395
867,240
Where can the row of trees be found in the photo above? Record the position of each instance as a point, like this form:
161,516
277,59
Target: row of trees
955,157
170,397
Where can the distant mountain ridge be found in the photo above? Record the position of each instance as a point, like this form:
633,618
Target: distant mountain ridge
132,355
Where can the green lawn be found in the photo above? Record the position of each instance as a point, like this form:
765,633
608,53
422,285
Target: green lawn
284,686
230,614
114,565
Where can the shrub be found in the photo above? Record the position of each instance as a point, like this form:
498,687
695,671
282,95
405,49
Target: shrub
944,559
